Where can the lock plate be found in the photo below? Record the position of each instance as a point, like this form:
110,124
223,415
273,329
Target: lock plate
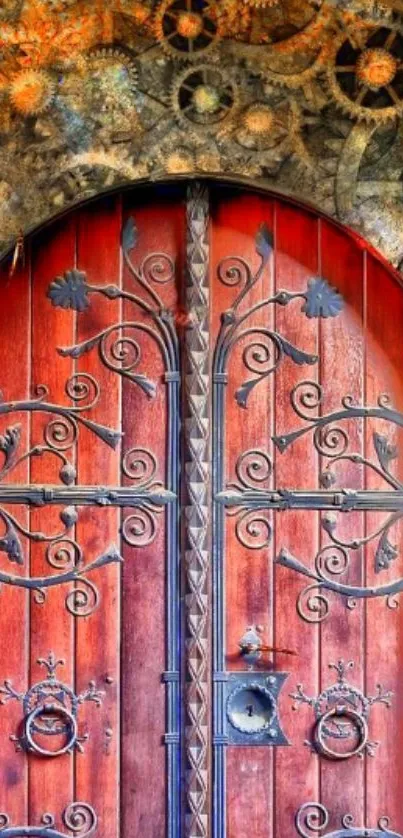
252,708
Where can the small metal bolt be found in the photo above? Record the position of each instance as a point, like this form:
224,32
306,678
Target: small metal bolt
108,679
271,680
109,732
272,733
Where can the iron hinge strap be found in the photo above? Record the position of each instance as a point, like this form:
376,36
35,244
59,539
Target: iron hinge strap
344,500
85,495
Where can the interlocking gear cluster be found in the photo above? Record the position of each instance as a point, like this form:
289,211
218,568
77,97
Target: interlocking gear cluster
93,93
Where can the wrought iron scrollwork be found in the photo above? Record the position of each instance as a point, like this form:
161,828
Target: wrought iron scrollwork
59,435
313,818
62,552
140,466
83,390
331,440
50,709
79,819
253,527
83,598
341,715
118,345
267,348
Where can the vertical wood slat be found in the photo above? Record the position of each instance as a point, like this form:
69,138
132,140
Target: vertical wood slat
248,597
15,354
197,512
384,625
145,653
97,636
341,354
51,785
297,769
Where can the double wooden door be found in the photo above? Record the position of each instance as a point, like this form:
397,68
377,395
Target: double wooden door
201,495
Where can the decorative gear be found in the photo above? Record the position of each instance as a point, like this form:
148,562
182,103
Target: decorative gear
106,91
112,75
180,161
31,92
365,73
188,29
263,127
204,96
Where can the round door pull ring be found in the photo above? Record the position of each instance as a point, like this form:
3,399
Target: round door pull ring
43,710
360,724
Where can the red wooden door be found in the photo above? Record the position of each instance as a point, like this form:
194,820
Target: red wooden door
200,501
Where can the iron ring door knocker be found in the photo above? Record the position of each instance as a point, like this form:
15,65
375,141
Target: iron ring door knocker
50,708
69,729
339,700
321,733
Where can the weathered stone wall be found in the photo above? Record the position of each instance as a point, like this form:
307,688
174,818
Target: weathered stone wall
303,96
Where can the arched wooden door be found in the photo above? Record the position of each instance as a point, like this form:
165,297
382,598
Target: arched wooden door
201,495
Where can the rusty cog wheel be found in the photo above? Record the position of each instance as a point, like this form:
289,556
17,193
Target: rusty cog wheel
112,75
365,73
188,29
204,97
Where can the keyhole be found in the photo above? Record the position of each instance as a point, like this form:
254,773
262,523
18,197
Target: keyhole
249,710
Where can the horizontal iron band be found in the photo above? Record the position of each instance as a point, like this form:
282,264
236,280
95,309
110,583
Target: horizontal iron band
345,500
85,495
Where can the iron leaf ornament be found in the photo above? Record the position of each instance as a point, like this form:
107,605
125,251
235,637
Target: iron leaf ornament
70,291
265,348
118,346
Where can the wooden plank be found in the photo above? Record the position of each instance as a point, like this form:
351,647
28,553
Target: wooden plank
341,373
248,574
296,773
97,636
50,780
15,354
384,625
160,230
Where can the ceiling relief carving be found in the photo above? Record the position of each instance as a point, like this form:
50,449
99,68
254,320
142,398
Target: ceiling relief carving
305,96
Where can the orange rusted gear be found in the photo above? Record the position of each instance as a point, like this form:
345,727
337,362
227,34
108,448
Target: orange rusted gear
376,67
31,92
187,29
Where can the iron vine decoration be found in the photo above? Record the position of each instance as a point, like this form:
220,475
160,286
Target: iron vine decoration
268,348
265,350
248,498
331,440
79,819
50,708
341,711
119,349
62,551
146,495
313,818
